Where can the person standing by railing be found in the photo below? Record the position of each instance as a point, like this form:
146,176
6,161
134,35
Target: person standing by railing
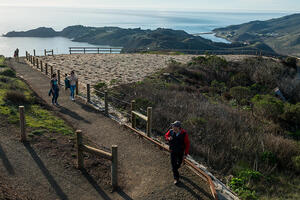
73,79
179,146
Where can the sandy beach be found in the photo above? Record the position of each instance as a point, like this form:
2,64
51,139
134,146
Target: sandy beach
115,69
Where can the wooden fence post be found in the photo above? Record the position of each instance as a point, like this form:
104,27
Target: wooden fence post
80,158
84,50
41,64
58,77
51,70
26,56
88,93
149,121
45,53
114,167
70,50
33,60
33,52
133,117
46,68
52,52
77,89
37,63
106,102
22,123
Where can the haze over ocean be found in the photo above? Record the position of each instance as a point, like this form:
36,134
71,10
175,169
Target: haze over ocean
26,18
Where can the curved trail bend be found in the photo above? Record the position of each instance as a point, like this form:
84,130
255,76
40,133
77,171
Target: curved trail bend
145,170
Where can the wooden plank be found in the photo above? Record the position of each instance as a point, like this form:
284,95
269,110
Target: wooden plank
140,115
80,158
22,123
149,121
98,152
114,167
106,103
133,117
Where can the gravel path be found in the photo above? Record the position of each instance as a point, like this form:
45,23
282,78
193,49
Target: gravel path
145,169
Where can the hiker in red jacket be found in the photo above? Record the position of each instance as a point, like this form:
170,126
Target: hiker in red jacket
179,146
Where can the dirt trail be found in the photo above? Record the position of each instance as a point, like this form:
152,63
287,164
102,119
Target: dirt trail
145,169
30,172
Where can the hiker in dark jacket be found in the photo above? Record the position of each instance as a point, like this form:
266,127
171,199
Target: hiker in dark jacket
54,89
179,146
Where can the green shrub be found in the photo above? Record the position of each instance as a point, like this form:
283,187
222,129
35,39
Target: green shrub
290,62
240,79
241,184
2,59
218,86
100,86
8,72
269,157
15,97
239,93
292,114
268,106
296,162
257,88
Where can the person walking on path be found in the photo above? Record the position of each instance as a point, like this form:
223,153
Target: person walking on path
54,89
67,82
72,79
179,146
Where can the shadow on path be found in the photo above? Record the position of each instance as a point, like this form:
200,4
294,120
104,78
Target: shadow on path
95,185
124,195
6,162
103,195
195,186
72,114
46,173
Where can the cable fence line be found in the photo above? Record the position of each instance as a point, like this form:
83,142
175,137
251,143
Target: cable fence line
111,104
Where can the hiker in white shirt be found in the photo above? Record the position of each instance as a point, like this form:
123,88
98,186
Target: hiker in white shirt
72,79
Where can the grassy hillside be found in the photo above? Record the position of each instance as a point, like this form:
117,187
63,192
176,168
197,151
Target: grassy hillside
282,34
133,40
236,124
14,93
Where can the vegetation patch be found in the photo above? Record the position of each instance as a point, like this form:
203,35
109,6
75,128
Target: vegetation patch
15,93
232,114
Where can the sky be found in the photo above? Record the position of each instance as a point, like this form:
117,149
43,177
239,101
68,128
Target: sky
230,5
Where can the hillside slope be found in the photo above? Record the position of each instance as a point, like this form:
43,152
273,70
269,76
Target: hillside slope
281,34
137,39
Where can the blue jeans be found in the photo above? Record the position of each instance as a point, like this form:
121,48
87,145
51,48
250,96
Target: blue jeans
72,89
55,95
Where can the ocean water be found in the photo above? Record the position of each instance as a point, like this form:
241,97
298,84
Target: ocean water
26,18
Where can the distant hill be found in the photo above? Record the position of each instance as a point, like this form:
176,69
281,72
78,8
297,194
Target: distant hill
281,34
138,39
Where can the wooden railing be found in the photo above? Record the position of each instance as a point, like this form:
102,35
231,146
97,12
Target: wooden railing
147,118
48,52
133,115
113,157
97,50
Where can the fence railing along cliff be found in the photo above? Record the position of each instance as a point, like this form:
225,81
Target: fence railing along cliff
85,92
97,50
